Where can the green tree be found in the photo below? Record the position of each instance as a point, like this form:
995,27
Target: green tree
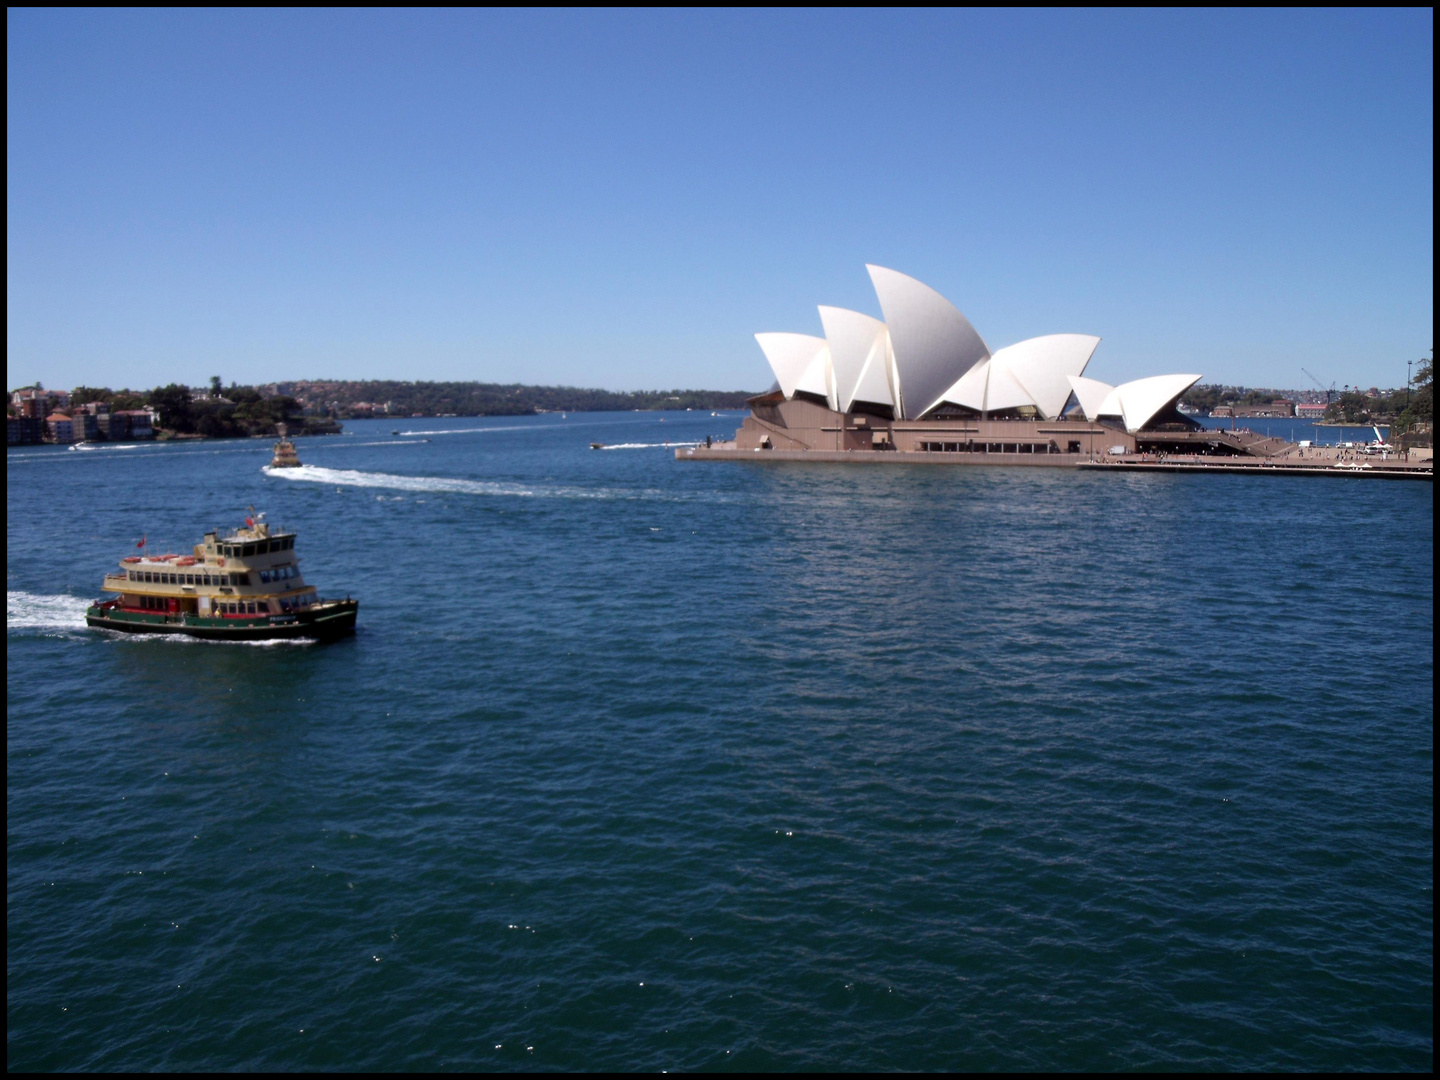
1421,406
173,402
1351,407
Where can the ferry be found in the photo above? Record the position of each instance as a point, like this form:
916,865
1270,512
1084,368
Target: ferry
244,585
285,456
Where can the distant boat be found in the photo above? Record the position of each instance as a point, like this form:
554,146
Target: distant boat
285,456
597,446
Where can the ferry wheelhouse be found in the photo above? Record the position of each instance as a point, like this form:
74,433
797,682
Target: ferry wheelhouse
244,585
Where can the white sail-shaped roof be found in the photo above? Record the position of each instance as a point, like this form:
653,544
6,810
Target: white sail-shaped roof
969,389
1033,372
860,352
1091,393
1003,390
1043,366
934,344
1143,399
1136,402
819,379
790,355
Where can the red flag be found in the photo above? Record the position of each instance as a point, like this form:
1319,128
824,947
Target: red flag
142,541
250,522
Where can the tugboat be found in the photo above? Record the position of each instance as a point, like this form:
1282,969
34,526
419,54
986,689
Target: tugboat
240,586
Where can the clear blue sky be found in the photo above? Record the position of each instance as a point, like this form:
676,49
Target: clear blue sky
623,199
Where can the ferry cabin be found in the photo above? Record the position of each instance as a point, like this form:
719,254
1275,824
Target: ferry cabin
247,573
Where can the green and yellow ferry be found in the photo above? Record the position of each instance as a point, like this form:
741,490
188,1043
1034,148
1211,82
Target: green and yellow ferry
242,586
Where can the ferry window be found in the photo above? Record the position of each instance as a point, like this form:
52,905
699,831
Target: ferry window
289,542
242,579
265,577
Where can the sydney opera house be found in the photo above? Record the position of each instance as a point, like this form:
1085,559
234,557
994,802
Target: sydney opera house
923,381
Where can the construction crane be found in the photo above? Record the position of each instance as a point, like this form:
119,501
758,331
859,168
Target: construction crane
1329,394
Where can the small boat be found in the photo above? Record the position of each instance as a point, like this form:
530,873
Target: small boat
597,446
285,456
242,586
395,432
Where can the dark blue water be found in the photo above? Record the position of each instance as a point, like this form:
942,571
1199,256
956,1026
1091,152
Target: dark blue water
640,764
1297,430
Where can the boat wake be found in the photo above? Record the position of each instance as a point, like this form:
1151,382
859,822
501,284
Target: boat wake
317,474
26,611
644,445
416,434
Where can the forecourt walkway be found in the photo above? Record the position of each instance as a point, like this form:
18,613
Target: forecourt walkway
1380,470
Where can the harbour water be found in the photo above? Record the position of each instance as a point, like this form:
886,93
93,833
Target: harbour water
636,764
1295,429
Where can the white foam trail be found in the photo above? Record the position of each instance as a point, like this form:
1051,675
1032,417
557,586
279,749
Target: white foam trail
31,611
317,474
473,430
646,445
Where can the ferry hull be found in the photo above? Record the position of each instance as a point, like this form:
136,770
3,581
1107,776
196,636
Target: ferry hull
324,622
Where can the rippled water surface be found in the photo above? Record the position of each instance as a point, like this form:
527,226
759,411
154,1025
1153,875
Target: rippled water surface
641,764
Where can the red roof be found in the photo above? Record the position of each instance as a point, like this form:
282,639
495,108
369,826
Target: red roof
57,416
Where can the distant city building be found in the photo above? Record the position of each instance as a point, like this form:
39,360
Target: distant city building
133,424
34,402
24,430
86,425
1313,410
60,427
1273,409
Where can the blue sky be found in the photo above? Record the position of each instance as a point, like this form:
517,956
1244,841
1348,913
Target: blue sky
623,199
